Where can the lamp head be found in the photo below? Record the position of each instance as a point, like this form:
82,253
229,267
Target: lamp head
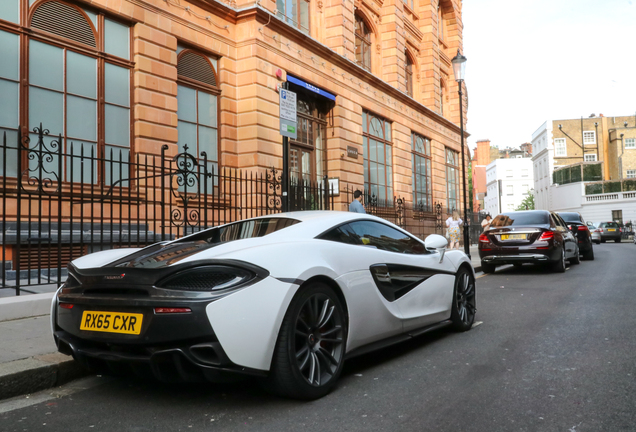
459,66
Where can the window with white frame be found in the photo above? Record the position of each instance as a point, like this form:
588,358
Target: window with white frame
590,157
630,143
589,137
510,190
631,173
525,189
560,149
524,172
508,173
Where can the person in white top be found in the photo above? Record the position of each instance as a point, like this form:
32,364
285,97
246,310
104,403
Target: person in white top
485,224
453,223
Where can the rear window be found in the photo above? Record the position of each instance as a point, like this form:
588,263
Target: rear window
608,225
521,218
571,217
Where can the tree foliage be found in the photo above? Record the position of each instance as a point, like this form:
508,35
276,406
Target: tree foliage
527,203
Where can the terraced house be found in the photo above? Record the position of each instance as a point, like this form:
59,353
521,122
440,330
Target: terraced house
122,87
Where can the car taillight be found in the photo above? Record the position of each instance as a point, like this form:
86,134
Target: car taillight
171,310
484,238
66,305
582,228
620,229
547,235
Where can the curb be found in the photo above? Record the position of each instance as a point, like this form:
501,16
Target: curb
37,373
25,306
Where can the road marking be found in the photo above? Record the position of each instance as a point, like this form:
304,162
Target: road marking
54,393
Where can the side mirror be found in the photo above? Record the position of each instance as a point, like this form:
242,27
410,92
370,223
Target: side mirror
435,242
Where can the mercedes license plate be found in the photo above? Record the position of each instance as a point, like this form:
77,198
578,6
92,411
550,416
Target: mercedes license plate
513,236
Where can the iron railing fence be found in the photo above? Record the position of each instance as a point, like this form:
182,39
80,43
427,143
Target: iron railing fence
421,219
60,201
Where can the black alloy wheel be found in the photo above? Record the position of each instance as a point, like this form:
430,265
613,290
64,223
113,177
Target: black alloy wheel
559,266
463,309
310,350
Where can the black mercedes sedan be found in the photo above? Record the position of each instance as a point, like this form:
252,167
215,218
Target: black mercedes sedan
528,237
579,228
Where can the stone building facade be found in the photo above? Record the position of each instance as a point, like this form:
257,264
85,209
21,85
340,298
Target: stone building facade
597,138
378,105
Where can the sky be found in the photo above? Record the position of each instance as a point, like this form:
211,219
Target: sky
535,60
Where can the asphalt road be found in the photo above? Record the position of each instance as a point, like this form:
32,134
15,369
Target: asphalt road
554,352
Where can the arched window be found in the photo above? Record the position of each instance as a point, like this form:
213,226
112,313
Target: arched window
363,43
409,75
76,89
197,110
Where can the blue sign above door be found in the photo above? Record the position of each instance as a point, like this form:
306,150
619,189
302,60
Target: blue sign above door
310,87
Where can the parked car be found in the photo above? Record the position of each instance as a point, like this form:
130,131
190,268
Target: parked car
286,298
531,236
609,231
579,228
595,233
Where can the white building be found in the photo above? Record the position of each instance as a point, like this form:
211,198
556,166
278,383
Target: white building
508,183
543,165
616,206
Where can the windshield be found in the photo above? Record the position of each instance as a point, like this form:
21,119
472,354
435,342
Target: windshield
608,225
571,217
520,218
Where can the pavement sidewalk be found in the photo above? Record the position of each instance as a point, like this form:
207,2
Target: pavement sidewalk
29,361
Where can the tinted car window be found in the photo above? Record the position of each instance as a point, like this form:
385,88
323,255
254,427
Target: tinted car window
520,218
342,234
571,217
242,230
375,234
558,222
608,225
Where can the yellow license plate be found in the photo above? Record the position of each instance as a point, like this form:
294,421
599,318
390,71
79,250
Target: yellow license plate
611,229
112,322
513,236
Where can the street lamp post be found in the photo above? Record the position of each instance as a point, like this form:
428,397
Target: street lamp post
459,65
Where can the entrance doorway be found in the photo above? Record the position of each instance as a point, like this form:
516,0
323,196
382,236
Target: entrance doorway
307,153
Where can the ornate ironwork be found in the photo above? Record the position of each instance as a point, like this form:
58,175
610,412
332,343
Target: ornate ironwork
399,212
439,223
274,189
37,175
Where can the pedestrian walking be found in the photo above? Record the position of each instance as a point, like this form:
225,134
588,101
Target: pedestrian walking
356,205
485,224
453,223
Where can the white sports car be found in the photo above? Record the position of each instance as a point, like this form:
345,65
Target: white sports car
285,297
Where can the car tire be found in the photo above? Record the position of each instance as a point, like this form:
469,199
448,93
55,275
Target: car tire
617,240
463,308
598,242
559,266
602,240
311,344
487,268
577,257
589,255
